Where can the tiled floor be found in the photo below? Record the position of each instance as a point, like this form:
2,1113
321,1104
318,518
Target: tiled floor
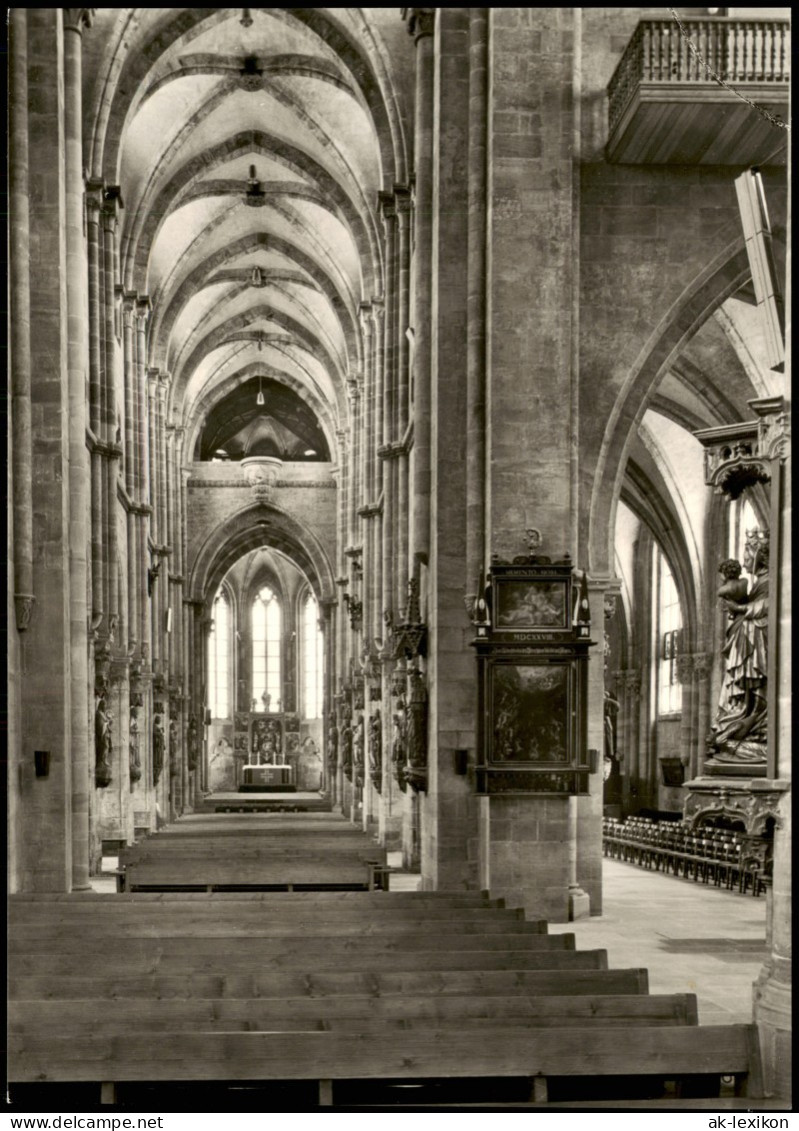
693,938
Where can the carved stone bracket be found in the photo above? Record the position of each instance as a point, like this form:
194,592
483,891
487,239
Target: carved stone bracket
262,474
752,802
738,456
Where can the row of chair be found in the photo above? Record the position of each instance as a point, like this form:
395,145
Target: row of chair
701,853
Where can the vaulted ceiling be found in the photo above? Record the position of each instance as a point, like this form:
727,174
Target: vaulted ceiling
250,145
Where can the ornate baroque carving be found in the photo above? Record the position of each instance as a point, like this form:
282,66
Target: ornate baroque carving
753,803
739,455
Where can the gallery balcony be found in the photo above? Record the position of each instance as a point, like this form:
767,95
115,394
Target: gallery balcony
666,108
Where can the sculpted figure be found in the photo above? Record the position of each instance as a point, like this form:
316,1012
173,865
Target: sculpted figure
416,731
740,731
135,757
103,720
332,744
357,751
398,751
158,748
376,751
192,743
346,745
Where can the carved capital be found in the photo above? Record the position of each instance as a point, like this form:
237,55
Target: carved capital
421,21
76,19
387,205
402,200
703,664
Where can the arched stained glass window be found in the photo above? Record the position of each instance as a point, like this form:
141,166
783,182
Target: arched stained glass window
668,636
267,628
312,659
219,659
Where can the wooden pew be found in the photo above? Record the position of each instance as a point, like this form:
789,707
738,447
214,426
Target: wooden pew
346,1012
314,954
322,984
663,1051
210,875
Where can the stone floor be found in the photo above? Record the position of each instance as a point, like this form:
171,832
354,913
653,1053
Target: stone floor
693,938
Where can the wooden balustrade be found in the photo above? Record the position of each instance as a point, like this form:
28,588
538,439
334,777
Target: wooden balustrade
738,51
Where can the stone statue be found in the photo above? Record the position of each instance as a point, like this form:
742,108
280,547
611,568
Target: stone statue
346,745
135,738
158,748
192,743
358,740
739,734
332,744
416,731
376,751
611,711
103,720
174,751
398,752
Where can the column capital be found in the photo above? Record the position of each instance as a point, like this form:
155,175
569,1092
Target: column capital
421,21
143,306
76,19
402,199
112,206
387,205
94,191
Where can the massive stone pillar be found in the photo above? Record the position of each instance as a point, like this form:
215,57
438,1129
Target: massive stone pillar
532,269
46,687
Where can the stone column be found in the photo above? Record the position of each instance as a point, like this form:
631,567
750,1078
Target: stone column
113,443
421,25
20,345
75,19
142,447
476,552
685,673
703,665
400,414
772,991
45,690
94,202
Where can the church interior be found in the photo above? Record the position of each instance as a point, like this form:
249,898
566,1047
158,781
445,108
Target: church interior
399,551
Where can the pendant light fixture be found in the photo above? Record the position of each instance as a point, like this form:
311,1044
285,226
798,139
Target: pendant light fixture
259,400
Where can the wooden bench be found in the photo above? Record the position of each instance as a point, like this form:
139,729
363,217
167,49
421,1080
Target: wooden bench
314,954
663,1051
319,984
347,1011
288,875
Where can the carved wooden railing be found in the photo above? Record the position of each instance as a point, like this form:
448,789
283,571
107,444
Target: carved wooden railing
738,51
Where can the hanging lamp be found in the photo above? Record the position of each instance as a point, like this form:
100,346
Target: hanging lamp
259,400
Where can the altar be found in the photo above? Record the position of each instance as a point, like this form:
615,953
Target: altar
266,777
